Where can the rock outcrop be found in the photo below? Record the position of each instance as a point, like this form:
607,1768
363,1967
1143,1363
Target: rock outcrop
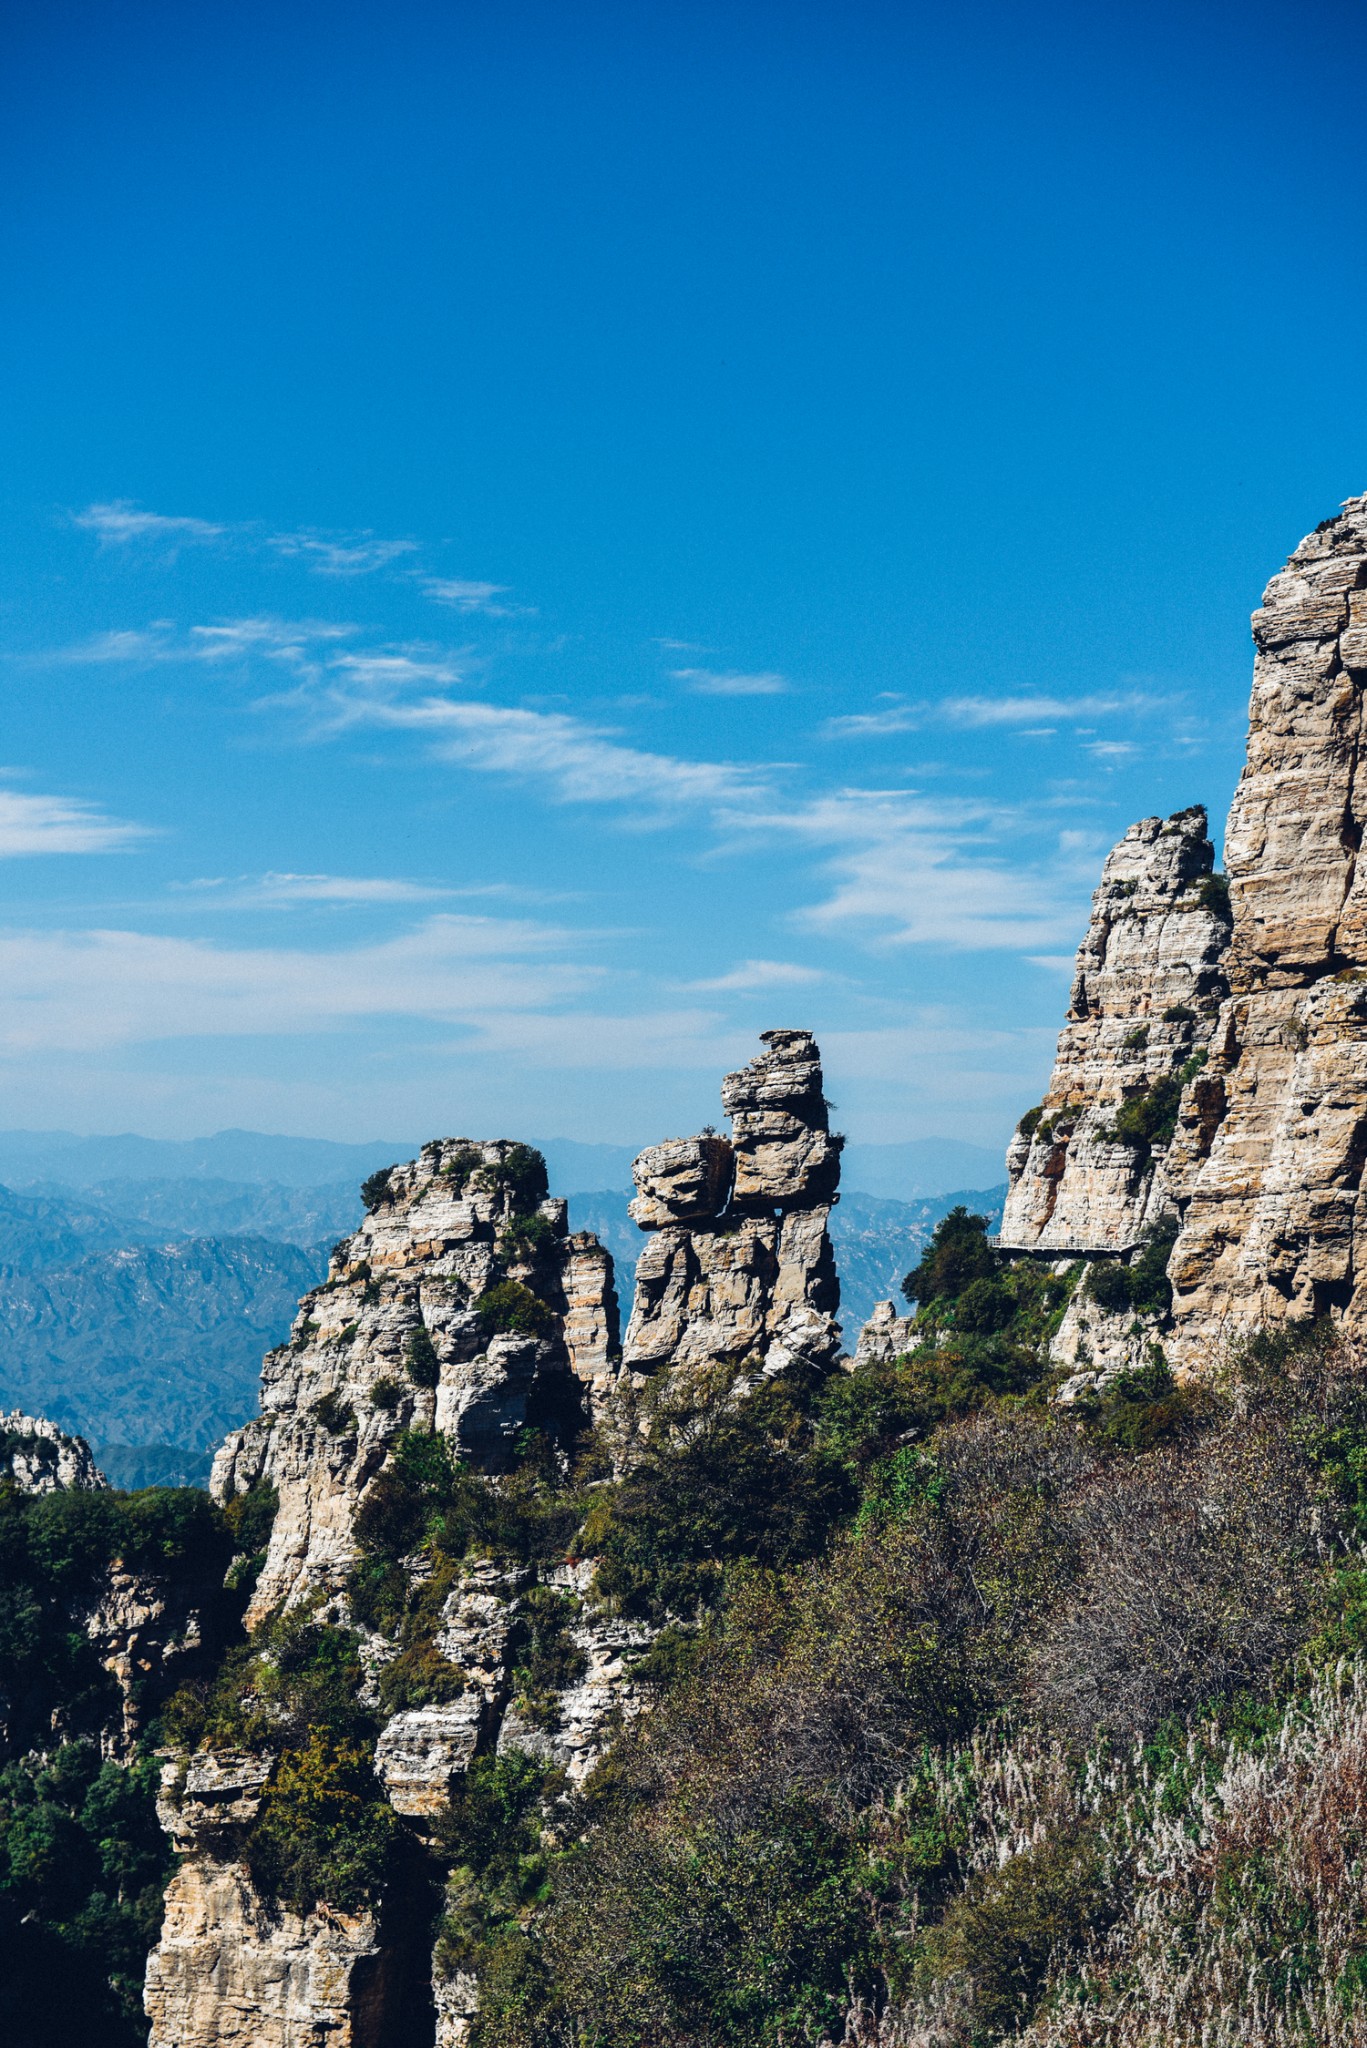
738,1270
1211,1079
405,1333
1146,994
1275,1214
37,1457
231,1968
463,1306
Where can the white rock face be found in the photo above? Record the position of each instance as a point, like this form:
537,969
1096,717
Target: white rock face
394,1340
1146,995
753,1283
232,1971
1275,1216
40,1458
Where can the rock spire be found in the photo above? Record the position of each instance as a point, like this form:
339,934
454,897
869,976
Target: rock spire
738,1268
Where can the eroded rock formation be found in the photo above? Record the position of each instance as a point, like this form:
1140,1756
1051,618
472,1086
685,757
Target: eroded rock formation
396,1338
1256,1159
37,1457
1146,994
738,1269
463,1307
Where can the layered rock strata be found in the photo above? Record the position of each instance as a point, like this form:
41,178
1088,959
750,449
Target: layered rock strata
1145,999
231,1971
1260,1014
395,1339
738,1268
1274,1209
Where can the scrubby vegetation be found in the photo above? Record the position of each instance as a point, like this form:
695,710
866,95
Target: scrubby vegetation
973,1721
989,1723
83,1860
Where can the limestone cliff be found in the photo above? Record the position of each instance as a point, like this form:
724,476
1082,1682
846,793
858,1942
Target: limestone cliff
1146,993
463,1310
37,1457
739,1269
405,1333
1275,1215
1211,1078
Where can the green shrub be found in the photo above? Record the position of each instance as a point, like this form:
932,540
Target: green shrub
419,1677
520,1174
420,1356
1144,1286
546,1657
1027,1124
386,1395
1136,1040
957,1254
510,1308
325,1831
1214,895
375,1188
1179,1013
333,1414
83,1863
732,1482
1150,1119
1004,1934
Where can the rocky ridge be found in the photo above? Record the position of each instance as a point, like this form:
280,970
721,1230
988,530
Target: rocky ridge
463,1307
37,1457
1211,1079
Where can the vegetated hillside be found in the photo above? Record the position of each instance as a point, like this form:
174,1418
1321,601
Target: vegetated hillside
975,1723
972,1722
876,1240
138,1344
163,1209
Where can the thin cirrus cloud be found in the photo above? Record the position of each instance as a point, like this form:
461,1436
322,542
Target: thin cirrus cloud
59,824
287,891
761,974
459,595
906,870
581,763
122,522
710,682
85,990
979,713
341,554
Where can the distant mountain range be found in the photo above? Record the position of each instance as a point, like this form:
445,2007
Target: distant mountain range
141,1279
923,1166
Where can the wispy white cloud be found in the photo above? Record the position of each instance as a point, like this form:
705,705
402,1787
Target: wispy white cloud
709,682
460,595
1111,750
386,672
261,637
286,891
858,725
758,974
59,824
344,554
582,763
121,521
83,990
978,713
911,870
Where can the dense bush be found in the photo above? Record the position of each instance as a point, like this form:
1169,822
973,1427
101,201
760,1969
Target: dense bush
83,1863
420,1356
793,1827
958,1253
1141,1286
510,1308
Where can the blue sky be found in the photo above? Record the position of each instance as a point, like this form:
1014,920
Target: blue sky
539,541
